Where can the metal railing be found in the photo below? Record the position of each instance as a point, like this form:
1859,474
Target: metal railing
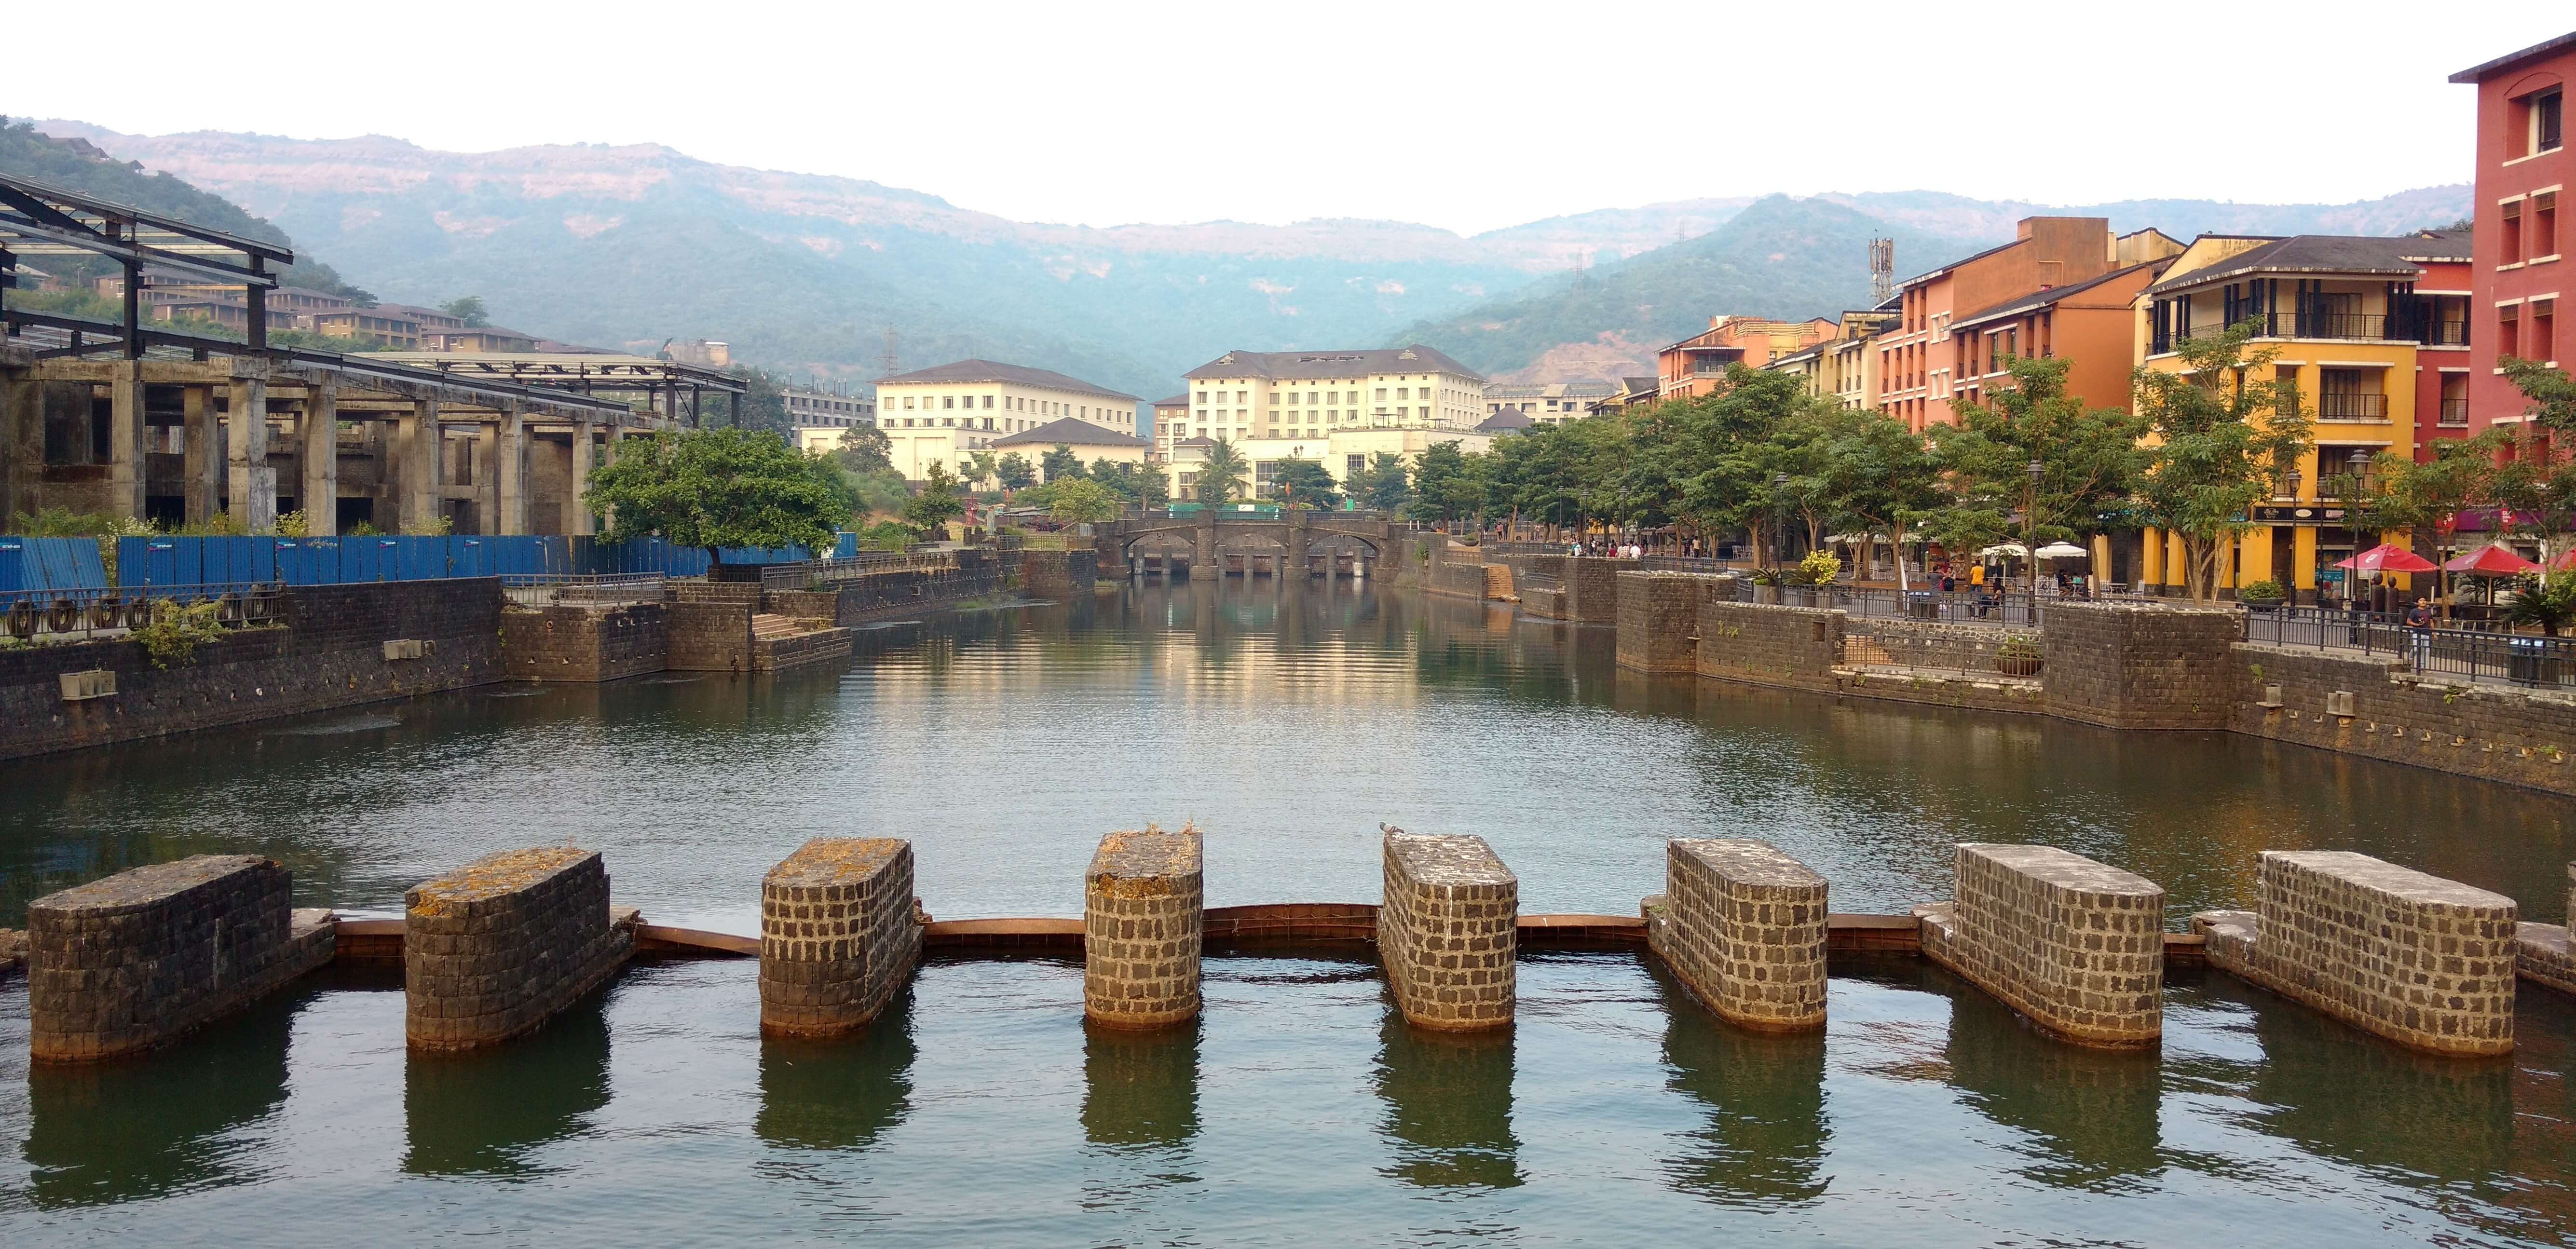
2454,412
2352,407
579,590
42,616
824,574
2474,654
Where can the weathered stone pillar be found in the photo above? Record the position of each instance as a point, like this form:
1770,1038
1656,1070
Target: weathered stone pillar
2126,666
133,961
2545,952
2425,962
499,946
1141,916
838,938
125,463
578,520
1448,931
22,440
203,457
510,464
416,467
2077,947
1743,925
318,429
1659,621
1203,545
252,492
484,457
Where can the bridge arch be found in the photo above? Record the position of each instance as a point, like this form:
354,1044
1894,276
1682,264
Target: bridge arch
1277,531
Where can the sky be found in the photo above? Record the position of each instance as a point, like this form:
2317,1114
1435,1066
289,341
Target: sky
1467,117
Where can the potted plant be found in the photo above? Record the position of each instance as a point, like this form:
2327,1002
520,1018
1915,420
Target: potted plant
2261,595
1819,569
1766,586
2019,656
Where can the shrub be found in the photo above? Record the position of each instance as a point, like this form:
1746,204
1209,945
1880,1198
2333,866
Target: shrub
2261,590
1820,568
176,632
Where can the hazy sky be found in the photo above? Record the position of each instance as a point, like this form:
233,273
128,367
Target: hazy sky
1463,116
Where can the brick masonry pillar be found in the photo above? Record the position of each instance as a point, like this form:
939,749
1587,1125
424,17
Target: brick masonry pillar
838,939
2125,666
135,960
1142,914
497,947
1743,925
1448,931
2076,946
2425,962
1659,621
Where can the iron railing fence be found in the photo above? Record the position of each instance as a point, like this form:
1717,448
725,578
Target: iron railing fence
65,615
823,574
582,590
2468,652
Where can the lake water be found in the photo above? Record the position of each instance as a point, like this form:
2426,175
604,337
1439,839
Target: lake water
1288,721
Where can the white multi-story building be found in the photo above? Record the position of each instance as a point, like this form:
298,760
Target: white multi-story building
819,416
950,411
1337,408
1547,403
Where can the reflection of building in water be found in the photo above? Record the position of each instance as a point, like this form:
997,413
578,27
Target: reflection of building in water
106,1133
2341,1093
1767,1134
2093,1114
1449,1105
1140,1089
489,1114
845,1093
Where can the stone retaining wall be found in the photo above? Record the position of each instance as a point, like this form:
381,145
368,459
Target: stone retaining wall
1059,572
2074,945
499,946
1743,926
1659,620
1447,931
2425,962
1798,647
838,935
1456,577
571,643
2499,733
135,960
2545,952
709,635
1143,915
1932,644
2126,666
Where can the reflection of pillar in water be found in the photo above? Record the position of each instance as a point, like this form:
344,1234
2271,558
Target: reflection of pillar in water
1449,1105
1765,1092
842,1094
2343,1093
488,1113
1140,1088
2094,1111
104,1133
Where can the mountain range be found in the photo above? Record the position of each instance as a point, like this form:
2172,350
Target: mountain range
627,246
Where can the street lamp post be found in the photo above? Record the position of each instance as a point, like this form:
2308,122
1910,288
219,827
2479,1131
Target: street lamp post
2359,486
2291,591
1780,507
2030,536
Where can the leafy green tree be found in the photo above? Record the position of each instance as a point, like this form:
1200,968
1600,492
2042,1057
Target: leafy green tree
2090,462
1153,487
1383,483
716,488
1060,463
1221,475
864,449
980,467
1449,485
2425,499
2536,485
1306,483
938,502
1014,471
2221,445
469,309
1120,477
1083,502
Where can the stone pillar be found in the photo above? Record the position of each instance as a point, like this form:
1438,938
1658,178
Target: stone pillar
203,454
1743,925
2129,666
578,520
2425,962
252,492
318,491
838,937
2544,952
499,946
1141,917
1659,621
133,961
1203,545
416,467
22,440
125,463
2075,946
1448,931
510,466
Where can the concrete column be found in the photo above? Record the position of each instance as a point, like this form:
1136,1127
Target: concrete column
22,443
579,522
416,467
608,454
1142,918
1448,931
318,491
485,451
511,464
204,454
496,948
838,936
252,495
1743,925
125,473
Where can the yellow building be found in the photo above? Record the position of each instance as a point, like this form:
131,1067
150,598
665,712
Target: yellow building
950,411
1843,368
2348,324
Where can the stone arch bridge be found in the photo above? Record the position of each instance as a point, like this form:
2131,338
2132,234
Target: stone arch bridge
1297,533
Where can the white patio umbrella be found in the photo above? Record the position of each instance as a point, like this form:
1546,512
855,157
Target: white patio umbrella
2005,550
2063,550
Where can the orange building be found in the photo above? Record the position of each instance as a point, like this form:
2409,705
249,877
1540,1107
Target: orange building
1697,365
1921,361
2092,324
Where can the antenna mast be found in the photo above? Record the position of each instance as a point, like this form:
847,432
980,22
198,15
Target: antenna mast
888,363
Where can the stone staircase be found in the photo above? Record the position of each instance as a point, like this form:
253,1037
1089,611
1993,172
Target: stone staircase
781,642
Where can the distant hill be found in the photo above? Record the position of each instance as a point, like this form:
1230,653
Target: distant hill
1779,257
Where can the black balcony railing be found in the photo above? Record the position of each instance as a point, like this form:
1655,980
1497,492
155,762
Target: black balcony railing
2446,333
2351,407
2345,325
2455,412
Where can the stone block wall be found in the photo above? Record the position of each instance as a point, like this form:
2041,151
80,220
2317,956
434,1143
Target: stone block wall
573,643
2497,732
135,960
2425,962
1743,925
1143,915
326,651
2075,946
746,593
705,636
499,946
1059,572
1458,576
2546,953
1799,647
1447,931
1592,588
1659,620
2125,666
838,937
1930,643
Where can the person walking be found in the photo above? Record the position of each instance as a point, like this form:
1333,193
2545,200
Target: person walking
2419,628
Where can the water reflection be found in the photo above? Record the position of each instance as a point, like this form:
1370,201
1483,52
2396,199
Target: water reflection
1448,1097
2442,1119
1140,1089
168,1122
844,1093
490,1114
1767,1134
2090,1116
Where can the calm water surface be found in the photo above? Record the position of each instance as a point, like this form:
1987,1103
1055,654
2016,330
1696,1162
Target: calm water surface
1288,722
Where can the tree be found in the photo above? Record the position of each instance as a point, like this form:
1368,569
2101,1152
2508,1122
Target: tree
864,449
936,503
1060,463
2090,458
2536,488
1305,482
1221,474
715,488
1014,471
1447,485
2221,445
469,309
1153,487
980,467
1083,502
1383,483
2426,499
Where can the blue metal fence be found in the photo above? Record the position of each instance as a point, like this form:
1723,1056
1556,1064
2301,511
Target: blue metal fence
51,564
160,561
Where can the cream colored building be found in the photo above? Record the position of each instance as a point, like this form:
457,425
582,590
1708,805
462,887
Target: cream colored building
1548,403
1084,439
1342,453
949,412
1273,395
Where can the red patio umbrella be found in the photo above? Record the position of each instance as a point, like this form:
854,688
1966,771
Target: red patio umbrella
2387,558
2564,562
2491,560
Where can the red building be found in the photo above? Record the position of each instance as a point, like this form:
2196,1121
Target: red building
2522,168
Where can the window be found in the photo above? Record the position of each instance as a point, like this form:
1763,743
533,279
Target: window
2510,251
2545,121
2544,224
1203,396
2543,334
2508,331
907,406
1381,393
988,403
2455,399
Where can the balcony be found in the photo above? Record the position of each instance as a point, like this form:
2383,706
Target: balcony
2350,407
2455,413
2446,334
2338,325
